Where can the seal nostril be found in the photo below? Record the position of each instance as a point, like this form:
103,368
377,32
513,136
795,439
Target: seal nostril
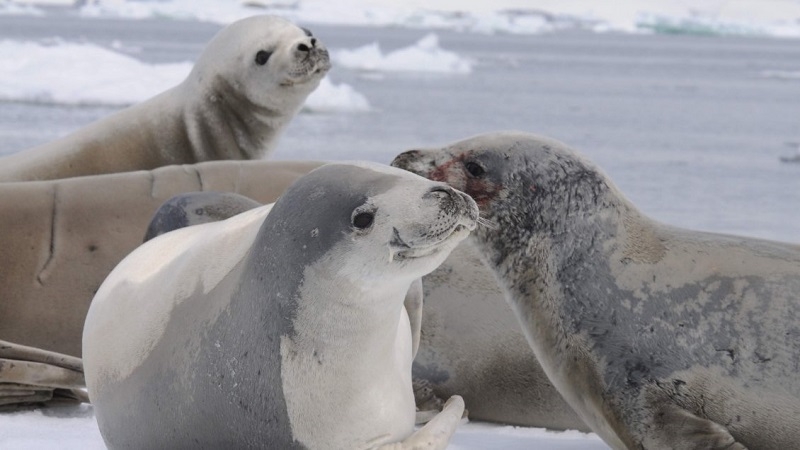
303,47
313,42
441,192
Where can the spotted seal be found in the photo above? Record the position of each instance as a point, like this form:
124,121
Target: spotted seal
658,337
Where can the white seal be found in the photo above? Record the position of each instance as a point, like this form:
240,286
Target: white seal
283,326
248,83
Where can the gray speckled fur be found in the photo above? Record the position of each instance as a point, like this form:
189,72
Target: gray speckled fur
659,337
220,383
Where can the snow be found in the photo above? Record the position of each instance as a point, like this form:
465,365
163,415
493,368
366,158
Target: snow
423,56
75,428
87,74
776,18
330,97
116,79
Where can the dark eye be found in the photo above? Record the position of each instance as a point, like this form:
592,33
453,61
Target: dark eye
262,56
363,220
474,169
306,31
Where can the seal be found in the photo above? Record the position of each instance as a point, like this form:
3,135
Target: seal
245,87
62,238
283,326
470,341
658,337
194,208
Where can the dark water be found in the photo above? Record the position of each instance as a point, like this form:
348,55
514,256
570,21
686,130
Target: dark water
687,126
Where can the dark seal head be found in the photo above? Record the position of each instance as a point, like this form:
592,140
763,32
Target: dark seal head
194,208
658,337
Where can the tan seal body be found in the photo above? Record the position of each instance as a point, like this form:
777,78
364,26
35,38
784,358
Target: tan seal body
658,337
282,327
248,83
63,237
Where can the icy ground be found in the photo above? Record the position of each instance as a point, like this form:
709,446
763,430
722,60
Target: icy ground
74,428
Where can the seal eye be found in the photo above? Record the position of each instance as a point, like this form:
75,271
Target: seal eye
363,220
262,56
474,169
306,31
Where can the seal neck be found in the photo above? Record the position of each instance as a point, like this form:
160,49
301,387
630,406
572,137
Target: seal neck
223,123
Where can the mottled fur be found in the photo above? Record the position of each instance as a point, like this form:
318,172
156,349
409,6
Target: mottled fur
658,337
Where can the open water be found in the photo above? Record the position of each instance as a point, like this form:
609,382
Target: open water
689,127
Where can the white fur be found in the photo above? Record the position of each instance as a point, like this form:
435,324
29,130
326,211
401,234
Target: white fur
132,308
229,107
346,367
352,316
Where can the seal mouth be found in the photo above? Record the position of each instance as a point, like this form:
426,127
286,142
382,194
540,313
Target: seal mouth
312,68
401,251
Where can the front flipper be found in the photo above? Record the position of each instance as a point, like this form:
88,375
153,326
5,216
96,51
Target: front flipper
436,434
678,428
30,375
413,305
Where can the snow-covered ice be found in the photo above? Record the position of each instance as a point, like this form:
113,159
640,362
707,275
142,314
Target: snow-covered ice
329,97
88,74
74,428
424,56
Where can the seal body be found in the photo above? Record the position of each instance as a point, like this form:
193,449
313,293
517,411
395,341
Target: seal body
658,337
282,327
472,345
248,83
63,237
469,341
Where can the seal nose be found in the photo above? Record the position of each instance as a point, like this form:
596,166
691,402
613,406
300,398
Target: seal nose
303,47
405,159
441,192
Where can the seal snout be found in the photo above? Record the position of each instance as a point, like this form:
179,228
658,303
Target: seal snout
449,216
455,203
412,161
311,57
303,47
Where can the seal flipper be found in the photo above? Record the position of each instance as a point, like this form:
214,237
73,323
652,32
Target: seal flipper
30,375
428,404
413,305
436,434
678,428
